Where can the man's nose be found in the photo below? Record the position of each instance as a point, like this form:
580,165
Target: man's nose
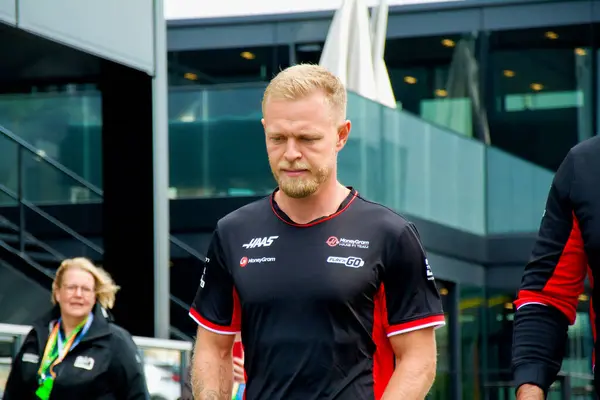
291,150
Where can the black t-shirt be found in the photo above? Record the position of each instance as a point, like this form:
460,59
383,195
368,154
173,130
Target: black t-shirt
316,302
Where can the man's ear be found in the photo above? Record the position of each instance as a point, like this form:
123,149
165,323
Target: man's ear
343,134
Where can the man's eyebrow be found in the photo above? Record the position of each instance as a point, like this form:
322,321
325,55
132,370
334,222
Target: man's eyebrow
311,135
301,133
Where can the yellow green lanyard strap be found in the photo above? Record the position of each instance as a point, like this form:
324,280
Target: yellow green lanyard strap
51,352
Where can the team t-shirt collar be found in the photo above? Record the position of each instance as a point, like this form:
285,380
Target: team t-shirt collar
284,217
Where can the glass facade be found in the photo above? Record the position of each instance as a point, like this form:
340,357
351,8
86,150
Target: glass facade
540,87
221,66
213,128
63,123
512,90
456,93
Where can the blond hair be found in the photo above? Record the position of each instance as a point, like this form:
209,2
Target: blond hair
302,80
105,287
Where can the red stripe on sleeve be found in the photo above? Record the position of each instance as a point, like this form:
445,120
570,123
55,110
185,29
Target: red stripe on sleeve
211,326
566,283
435,321
236,319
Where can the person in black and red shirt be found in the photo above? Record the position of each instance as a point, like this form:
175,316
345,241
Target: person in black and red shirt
567,249
333,294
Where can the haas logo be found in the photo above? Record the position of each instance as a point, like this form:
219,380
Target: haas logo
260,242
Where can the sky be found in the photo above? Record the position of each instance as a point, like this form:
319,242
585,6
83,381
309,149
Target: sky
184,9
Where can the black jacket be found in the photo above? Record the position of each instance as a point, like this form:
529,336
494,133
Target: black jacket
567,250
105,365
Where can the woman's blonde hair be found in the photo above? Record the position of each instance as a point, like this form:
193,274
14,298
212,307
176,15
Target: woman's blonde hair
105,287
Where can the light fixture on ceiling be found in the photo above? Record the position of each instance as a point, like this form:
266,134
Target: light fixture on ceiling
551,35
190,76
580,52
441,93
509,73
248,55
536,87
443,291
411,80
583,297
448,43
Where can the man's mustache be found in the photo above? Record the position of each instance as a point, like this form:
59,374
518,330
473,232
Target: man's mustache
293,167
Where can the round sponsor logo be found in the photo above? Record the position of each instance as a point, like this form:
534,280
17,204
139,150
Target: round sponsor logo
243,262
332,241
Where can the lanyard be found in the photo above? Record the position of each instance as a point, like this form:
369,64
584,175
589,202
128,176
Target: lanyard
58,347
75,337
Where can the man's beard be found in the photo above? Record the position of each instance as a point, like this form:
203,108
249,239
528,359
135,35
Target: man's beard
301,186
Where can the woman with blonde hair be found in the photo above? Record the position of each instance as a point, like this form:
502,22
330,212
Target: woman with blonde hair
76,351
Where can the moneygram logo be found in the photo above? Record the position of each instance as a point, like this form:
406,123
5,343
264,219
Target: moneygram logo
343,242
245,260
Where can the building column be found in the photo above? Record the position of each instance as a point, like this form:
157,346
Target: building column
135,181
128,209
160,152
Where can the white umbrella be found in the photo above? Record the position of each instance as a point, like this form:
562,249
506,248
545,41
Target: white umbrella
334,56
354,50
361,74
379,20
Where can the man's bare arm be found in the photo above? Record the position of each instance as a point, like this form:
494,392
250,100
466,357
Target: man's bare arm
530,392
416,357
212,366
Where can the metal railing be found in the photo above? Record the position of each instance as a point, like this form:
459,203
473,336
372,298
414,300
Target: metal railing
24,146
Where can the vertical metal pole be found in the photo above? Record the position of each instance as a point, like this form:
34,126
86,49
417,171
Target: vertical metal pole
160,157
565,388
454,339
292,52
184,378
484,321
16,346
20,183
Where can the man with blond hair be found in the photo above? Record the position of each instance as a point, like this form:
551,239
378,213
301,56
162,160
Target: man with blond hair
332,294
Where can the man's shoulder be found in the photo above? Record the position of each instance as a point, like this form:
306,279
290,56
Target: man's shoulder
587,148
381,217
582,161
246,214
